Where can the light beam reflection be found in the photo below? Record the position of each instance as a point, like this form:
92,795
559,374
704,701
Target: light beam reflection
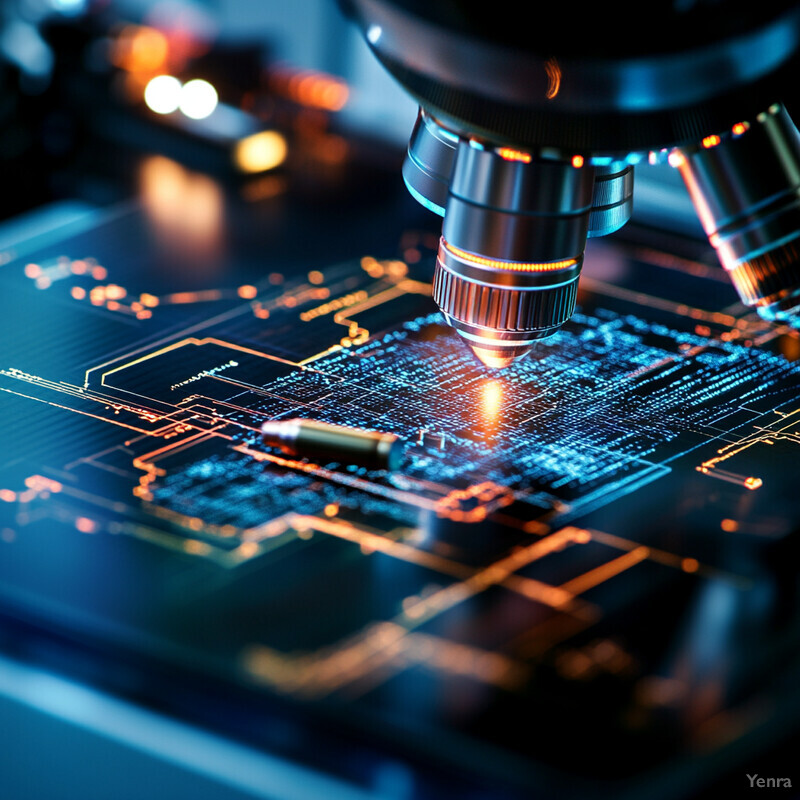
491,405
186,209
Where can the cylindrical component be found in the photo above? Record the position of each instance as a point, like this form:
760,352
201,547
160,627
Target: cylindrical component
429,162
745,185
502,307
480,70
324,442
513,206
612,199
512,248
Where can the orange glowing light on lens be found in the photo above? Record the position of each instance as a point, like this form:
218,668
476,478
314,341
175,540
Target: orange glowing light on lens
553,78
577,161
515,266
753,483
247,291
739,128
494,359
711,141
508,154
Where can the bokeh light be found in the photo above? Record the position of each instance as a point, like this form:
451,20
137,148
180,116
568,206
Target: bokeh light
163,94
260,152
198,99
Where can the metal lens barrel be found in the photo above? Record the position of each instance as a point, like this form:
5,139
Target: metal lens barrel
514,233
502,307
612,199
745,186
429,162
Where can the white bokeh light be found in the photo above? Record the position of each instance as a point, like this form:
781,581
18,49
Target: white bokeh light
198,99
163,94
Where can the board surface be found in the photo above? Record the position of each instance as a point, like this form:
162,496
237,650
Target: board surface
593,538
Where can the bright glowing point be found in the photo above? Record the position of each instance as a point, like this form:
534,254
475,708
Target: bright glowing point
514,155
739,128
374,33
711,141
422,200
260,152
85,525
577,161
675,159
492,358
69,7
553,78
515,266
198,99
163,94
492,399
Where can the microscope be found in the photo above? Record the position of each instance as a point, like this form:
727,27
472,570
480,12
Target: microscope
528,135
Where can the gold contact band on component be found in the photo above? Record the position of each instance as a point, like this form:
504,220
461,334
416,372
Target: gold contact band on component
515,266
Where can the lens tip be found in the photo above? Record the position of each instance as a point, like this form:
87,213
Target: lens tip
498,359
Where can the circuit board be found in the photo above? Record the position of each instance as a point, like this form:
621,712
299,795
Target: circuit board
557,545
